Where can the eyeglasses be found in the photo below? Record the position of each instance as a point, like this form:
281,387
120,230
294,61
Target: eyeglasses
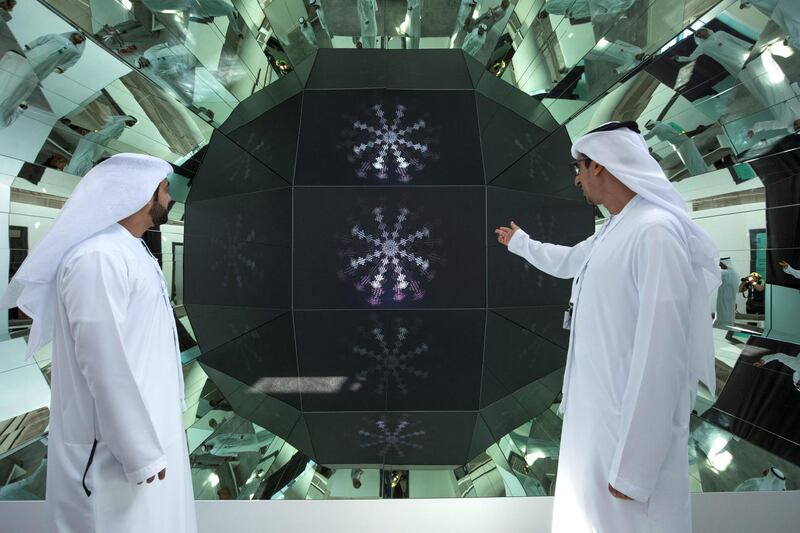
576,165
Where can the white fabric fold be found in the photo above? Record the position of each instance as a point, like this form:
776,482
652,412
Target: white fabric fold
625,154
111,191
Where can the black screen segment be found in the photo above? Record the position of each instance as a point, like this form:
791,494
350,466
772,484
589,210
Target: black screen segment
376,137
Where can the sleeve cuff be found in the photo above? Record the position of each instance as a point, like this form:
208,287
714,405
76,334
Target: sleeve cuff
137,476
630,489
518,241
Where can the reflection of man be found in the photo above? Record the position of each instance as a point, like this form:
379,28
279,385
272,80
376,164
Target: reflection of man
765,80
414,20
465,10
625,55
93,144
752,287
368,19
727,50
787,268
473,43
6,6
355,477
640,340
771,480
54,52
493,15
726,294
307,31
793,362
17,82
785,13
200,11
316,6
117,387
682,143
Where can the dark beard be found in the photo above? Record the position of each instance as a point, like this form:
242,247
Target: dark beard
158,213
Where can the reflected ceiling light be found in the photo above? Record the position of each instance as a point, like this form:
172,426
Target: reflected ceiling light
213,479
36,226
719,459
780,49
44,190
127,4
774,71
602,42
475,14
570,36
534,456
304,385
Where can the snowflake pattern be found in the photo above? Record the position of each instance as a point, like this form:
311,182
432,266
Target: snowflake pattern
389,255
233,264
389,145
389,438
391,361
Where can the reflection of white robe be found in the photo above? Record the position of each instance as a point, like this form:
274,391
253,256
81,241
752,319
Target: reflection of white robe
576,9
473,43
765,80
308,33
792,271
116,378
768,483
232,444
53,51
17,82
197,8
610,7
726,298
465,10
684,145
793,362
93,144
414,28
174,67
626,384
785,13
725,49
367,17
619,52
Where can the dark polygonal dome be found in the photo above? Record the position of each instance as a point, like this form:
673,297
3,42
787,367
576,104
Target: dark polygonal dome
342,275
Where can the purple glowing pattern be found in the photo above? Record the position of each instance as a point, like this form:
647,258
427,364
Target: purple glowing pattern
394,361
389,257
389,144
391,438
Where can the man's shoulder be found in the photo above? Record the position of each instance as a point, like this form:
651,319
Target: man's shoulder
650,219
107,243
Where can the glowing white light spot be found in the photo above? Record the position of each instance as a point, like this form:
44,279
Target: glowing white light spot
213,479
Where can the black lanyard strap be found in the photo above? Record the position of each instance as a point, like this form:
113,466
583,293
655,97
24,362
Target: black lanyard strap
88,464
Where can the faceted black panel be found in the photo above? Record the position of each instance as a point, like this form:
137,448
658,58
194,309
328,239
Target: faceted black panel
514,282
395,360
229,170
371,137
272,137
215,325
237,250
263,360
417,69
389,247
543,170
342,273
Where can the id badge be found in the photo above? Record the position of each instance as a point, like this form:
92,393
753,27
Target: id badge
568,319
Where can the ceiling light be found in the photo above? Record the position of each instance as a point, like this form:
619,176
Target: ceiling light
780,49
213,479
127,4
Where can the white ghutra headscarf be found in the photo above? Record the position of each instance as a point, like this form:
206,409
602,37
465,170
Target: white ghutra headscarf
623,151
110,192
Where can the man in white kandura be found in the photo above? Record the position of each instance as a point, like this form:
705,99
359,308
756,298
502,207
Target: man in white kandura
93,144
117,454
727,50
640,341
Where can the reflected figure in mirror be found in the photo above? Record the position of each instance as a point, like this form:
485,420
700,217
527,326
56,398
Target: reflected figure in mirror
765,80
787,268
726,294
752,287
55,52
368,19
473,43
771,480
199,11
6,6
307,31
625,55
727,50
413,23
17,83
93,144
681,142
785,13
465,11
315,8
791,361
355,477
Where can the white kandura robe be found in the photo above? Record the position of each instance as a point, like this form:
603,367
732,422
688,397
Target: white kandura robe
792,271
576,9
727,50
17,82
93,144
414,28
684,145
465,10
627,393
785,13
726,298
53,51
765,80
473,43
308,33
792,361
116,377
368,19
